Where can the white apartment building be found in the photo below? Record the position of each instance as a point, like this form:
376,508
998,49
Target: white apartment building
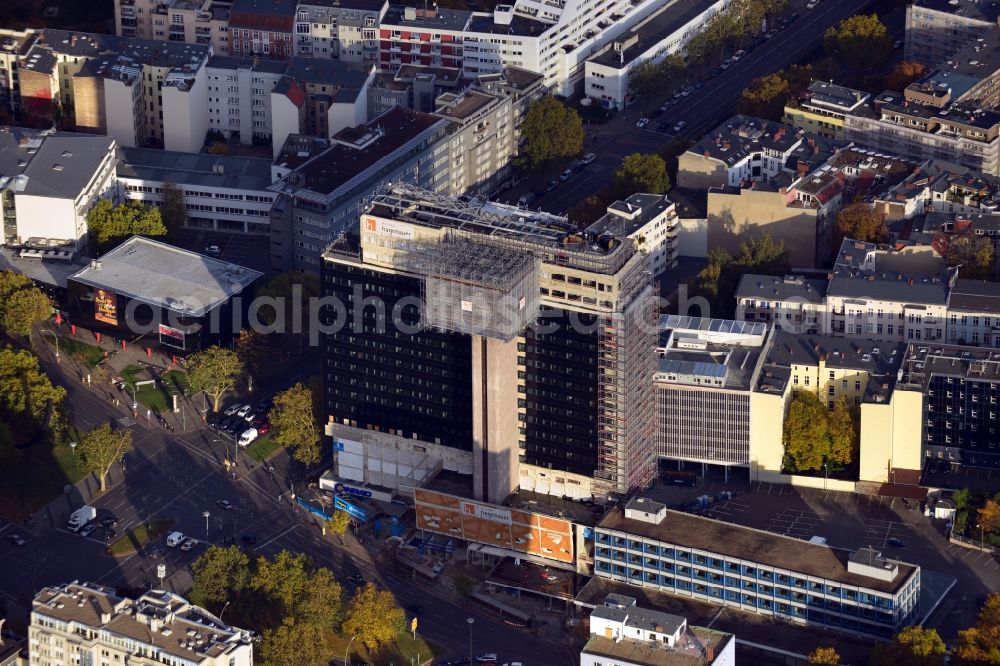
204,22
344,30
974,314
50,181
221,193
648,219
89,624
239,96
664,33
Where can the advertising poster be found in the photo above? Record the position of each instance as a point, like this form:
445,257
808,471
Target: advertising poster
106,306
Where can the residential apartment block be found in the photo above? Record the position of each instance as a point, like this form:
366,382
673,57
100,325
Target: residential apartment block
935,29
535,407
822,108
860,592
89,624
665,32
204,22
262,28
974,314
48,183
650,220
14,44
345,30
221,193
625,634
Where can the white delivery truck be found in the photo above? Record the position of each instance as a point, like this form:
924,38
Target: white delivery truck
248,436
81,517
175,539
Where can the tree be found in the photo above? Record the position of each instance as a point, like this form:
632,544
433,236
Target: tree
588,211
251,347
282,582
338,523
825,656
295,644
645,80
107,222
24,309
24,389
806,432
642,173
373,617
220,575
844,426
322,603
286,297
861,222
295,423
980,645
989,517
913,646
961,498
903,74
974,254
765,97
550,130
173,209
717,282
101,448
860,42
215,371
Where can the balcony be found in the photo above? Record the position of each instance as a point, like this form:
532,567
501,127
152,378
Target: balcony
128,11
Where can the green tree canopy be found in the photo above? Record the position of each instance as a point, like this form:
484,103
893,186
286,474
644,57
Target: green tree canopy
844,423
642,173
974,254
101,448
550,130
26,391
220,575
979,645
903,74
373,616
717,282
215,371
338,523
861,222
765,97
295,644
289,586
806,432
23,309
913,646
860,42
107,222
824,656
295,423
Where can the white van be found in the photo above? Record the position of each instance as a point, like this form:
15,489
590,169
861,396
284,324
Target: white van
248,436
175,539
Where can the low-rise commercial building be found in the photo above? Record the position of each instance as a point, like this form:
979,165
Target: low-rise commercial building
936,29
221,193
90,624
860,592
628,635
665,32
821,109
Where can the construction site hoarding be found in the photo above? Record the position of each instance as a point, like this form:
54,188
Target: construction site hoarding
517,530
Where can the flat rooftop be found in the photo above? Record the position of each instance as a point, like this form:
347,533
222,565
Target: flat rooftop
253,64
442,18
225,171
463,105
628,216
735,541
709,352
330,72
691,650
788,288
962,115
299,149
168,277
64,164
90,45
857,274
830,96
923,362
519,26
653,30
970,9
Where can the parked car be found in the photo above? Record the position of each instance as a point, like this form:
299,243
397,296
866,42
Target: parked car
108,521
248,436
213,250
688,90
553,184
250,416
588,158
249,539
263,428
549,576
188,544
232,409
244,410
487,658
265,405
896,543
87,529
681,124
225,504
155,553
17,540
109,535
175,539
566,175
698,84
715,72
739,54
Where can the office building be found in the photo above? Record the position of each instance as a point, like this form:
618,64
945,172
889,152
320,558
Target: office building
339,29
860,592
972,74
623,633
324,195
650,220
961,386
665,32
221,192
923,123
50,181
84,623
262,28
821,109
139,91
562,403
707,370
204,22
936,29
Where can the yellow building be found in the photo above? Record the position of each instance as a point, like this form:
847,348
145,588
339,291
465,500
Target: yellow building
822,108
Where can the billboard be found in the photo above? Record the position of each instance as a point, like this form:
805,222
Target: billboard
172,337
389,228
106,306
516,530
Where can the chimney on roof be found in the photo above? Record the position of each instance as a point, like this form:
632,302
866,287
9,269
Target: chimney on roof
778,133
709,653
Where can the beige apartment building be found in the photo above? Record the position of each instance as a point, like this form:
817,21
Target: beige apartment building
204,22
84,623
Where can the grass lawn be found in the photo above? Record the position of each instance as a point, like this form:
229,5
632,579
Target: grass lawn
397,653
139,536
156,397
36,476
89,355
262,449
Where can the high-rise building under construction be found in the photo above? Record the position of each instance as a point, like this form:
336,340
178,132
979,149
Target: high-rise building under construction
491,341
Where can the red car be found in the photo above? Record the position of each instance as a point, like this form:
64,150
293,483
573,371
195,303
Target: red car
263,428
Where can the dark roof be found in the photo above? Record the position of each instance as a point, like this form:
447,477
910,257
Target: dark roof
341,162
975,296
648,205
775,550
443,19
329,72
971,9
669,19
739,136
853,278
789,287
271,15
924,361
370,5
64,164
89,45
247,173
519,25
258,65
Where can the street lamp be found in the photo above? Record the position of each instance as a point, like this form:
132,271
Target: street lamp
135,403
224,610
54,337
72,447
207,515
470,620
348,649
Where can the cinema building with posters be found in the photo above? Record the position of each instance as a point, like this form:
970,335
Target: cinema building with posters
178,299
